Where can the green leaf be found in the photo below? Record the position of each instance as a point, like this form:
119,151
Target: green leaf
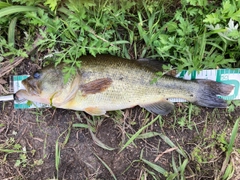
235,34
236,16
17,163
228,8
170,26
4,4
212,18
17,146
52,4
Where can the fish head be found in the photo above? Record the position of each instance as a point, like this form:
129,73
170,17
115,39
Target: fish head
47,86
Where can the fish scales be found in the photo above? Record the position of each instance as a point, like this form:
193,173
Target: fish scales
134,79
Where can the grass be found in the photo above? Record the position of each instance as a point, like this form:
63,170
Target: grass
181,38
24,157
133,137
203,154
58,147
108,168
227,167
194,35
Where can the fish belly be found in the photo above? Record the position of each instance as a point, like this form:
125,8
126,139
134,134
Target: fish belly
118,96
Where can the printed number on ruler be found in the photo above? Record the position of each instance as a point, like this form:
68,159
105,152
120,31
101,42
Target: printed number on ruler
230,76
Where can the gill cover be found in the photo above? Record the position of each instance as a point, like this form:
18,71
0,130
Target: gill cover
48,84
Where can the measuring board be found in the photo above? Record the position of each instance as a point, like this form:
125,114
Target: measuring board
17,85
227,76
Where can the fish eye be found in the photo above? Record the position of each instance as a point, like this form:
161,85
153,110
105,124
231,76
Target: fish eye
37,75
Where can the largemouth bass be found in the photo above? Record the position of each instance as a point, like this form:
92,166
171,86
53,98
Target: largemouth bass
108,83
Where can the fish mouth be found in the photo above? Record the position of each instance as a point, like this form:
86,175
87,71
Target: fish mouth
31,86
19,96
23,95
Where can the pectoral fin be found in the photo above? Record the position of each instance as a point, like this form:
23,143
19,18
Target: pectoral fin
94,111
96,86
162,107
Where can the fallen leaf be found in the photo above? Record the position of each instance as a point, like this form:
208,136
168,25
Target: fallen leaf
2,81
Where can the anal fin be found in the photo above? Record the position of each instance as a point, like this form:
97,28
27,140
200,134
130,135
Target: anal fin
162,107
94,111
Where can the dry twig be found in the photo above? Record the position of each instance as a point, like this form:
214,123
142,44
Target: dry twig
7,66
167,151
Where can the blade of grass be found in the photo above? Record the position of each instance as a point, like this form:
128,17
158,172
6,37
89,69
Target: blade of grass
203,46
11,31
99,143
10,151
80,125
230,148
170,143
174,165
233,137
130,165
108,168
58,149
95,139
228,172
138,133
165,138
156,167
57,156
172,176
153,166
147,135
214,46
151,173
183,167
67,136
16,9
4,4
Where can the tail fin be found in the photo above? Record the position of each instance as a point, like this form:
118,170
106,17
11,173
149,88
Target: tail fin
208,91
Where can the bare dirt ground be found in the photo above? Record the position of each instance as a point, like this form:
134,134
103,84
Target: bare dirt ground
36,131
